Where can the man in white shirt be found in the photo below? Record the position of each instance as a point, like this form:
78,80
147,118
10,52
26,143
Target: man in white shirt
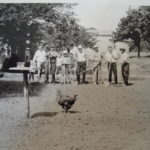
96,66
125,65
81,64
40,58
111,57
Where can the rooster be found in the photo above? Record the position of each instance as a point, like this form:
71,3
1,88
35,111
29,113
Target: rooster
65,101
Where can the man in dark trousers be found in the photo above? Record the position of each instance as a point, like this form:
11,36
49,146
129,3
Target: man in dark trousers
112,57
81,64
47,64
125,65
53,56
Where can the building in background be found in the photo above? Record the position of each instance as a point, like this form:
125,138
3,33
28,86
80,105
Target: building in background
104,40
123,44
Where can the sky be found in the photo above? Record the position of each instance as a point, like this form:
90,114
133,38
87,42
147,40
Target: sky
105,14
101,16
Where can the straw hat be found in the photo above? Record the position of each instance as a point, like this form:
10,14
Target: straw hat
122,49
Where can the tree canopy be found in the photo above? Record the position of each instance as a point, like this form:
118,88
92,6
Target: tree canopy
136,25
25,25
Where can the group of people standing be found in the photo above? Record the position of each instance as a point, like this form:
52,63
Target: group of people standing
50,62
66,64
112,57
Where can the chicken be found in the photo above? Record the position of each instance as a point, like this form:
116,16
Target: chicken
65,101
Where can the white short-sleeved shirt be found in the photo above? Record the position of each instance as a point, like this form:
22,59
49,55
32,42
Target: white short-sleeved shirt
40,56
81,57
97,56
112,57
65,60
124,57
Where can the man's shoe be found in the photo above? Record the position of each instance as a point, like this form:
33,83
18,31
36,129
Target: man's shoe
1,75
46,82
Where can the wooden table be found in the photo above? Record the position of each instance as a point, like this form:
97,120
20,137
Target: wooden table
25,71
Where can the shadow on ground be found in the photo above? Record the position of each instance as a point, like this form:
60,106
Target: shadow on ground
74,112
147,56
15,88
51,114
136,78
44,114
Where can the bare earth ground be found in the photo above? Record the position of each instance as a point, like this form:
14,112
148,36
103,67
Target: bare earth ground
103,118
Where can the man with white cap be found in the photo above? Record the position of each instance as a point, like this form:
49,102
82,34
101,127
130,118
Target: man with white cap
124,65
81,64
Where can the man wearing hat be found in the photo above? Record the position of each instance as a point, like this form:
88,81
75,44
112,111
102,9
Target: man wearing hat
124,65
81,64
97,66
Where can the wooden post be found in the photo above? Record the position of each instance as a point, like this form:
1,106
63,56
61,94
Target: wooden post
65,74
26,92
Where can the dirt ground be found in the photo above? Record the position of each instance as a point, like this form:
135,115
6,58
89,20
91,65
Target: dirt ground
103,118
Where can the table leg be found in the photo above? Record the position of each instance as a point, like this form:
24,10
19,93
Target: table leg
26,92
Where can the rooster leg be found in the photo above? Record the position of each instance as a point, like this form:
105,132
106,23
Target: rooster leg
66,111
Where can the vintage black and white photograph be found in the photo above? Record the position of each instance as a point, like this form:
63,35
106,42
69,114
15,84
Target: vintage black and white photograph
74,76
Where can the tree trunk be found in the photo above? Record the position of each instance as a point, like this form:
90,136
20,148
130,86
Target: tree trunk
137,41
139,50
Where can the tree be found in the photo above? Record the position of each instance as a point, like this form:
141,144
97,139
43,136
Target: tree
86,37
23,25
136,25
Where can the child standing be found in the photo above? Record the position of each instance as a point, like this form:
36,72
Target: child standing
65,67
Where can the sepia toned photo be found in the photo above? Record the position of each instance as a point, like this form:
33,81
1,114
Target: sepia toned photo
74,76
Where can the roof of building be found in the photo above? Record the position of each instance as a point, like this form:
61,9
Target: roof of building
106,33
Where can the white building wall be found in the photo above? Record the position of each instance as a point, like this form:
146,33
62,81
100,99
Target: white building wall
123,44
104,42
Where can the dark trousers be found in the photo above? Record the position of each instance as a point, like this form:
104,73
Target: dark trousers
125,72
81,66
112,68
53,71
47,72
31,75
